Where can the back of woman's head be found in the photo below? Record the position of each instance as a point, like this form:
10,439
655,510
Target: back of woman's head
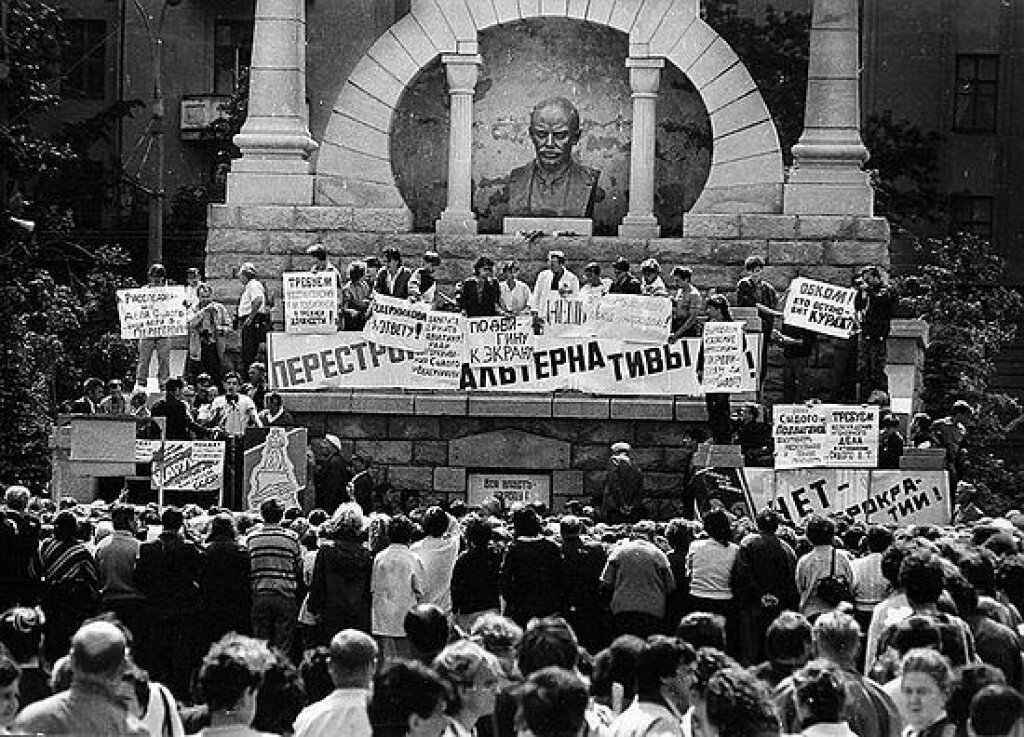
922,577
65,527
402,689
525,521
477,531
788,639
401,529
281,697
21,632
820,692
820,530
233,665
738,705
435,522
717,525
346,523
967,682
426,626
548,641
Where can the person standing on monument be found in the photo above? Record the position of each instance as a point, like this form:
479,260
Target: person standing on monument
355,297
623,282
593,285
554,281
422,283
478,295
875,304
393,280
686,305
514,297
157,278
753,290
253,314
320,262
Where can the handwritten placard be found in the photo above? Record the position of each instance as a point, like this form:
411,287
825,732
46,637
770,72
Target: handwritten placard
499,341
727,366
310,302
152,312
440,365
820,307
825,435
397,323
630,317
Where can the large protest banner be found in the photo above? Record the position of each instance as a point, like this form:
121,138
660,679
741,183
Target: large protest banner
630,317
310,301
499,341
820,307
339,360
152,312
397,323
729,367
185,465
825,435
440,365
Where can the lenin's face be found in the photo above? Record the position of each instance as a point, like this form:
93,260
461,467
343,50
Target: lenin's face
554,131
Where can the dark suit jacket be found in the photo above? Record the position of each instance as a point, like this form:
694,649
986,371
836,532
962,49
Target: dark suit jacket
82,406
476,305
401,287
167,571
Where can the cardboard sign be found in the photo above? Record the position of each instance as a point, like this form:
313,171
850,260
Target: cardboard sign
565,317
820,307
440,365
630,317
152,312
728,366
274,466
825,435
310,301
397,323
499,341
511,487
188,465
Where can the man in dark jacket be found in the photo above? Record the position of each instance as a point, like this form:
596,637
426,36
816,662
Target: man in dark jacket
583,562
623,488
332,475
19,543
532,576
623,282
478,294
167,573
764,584
393,279
875,303
180,425
224,582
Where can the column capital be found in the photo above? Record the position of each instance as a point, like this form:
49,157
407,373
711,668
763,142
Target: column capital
645,62
463,71
644,74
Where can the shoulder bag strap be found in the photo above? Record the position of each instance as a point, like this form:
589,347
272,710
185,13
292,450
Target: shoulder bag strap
832,565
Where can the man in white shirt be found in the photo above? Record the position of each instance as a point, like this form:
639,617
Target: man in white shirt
251,305
343,712
396,586
593,285
438,552
423,282
554,281
232,412
515,295
664,675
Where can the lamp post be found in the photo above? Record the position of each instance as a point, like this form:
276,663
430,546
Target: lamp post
155,246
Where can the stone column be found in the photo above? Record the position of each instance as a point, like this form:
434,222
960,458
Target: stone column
827,177
644,79
458,217
275,140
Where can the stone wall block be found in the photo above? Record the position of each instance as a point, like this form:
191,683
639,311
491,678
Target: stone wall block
389,403
314,422
412,478
856,253
266,217
590,457
642,408
450,479
567,483
736,251
335,401
680,250
413,428
294,243
382,220
521,405
769,227
795,252
826,227
221,216
235,242
664,484
581,407
691,410
437,405
678,459
661,434
651,458
873,229
720,278
712,226
831,274
387,452
593,482
350,246
357,426
430,452
324,218
225,265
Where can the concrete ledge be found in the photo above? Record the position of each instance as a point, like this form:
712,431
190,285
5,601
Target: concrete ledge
383,403
642,408
590,408
691,410
711,226
505,405
338,400
446,405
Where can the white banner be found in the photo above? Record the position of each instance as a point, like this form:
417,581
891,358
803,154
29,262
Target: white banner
511,487
397,323
825,435
728,365
440,365
820,307
565,317
630,317
310,301
499,341
152,312
186,465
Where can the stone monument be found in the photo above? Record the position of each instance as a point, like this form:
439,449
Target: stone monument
554,191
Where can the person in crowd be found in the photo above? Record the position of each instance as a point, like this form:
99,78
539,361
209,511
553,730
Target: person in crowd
623,282
167,572
332,474
797,348
532,577
396,585
979,568
663,673
353,660
393,279
679,534
361,487
968,681
709,565
275,414
949,433
651,283
753,290
639,580
920,433
623,486
553,703
115,403
754,435
355,297
702,629
409,700
150,703
9,676
156,278
870,586
875,304
98,660
820,701
583,561
763,584
924,688
339,595
180,425
473,678
21,633
890,441
996,711
996,644
554,281
513,294
868,708
276,569
824,563
70,591
787,648
232,412
438,551
893,607
19,546
686,305
475,577
92,395
423,282
593,285
224,587
281,696
318,259
733,704
427,631
256,387
501,637
229,680
478,294
115,560
207,327
253,313
315,673
719,417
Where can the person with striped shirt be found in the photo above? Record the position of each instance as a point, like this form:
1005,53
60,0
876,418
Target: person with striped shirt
276,568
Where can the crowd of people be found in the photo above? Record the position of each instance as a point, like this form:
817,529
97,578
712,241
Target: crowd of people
447,621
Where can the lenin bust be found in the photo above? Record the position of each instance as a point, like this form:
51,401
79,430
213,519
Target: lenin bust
553,185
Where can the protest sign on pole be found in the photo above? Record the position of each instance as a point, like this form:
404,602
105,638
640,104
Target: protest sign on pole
397,323
310,301
630,317
820,307
152,312
499,341
825,435
728,368
188,465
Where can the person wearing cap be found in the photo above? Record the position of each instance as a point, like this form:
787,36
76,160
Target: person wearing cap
639,579
553,282
156,278
623,487
318,254
422,284
253,317
623,281
651,283
593,285
332,474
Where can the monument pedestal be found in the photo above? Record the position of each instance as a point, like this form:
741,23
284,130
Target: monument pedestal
456,222
639,226
567,226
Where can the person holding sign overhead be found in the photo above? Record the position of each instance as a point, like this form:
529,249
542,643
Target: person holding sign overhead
157,277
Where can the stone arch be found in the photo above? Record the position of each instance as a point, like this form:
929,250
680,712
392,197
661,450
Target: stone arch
353,166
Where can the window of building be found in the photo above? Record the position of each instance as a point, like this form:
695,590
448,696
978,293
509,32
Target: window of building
232,53
972,214
84,59
976,80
